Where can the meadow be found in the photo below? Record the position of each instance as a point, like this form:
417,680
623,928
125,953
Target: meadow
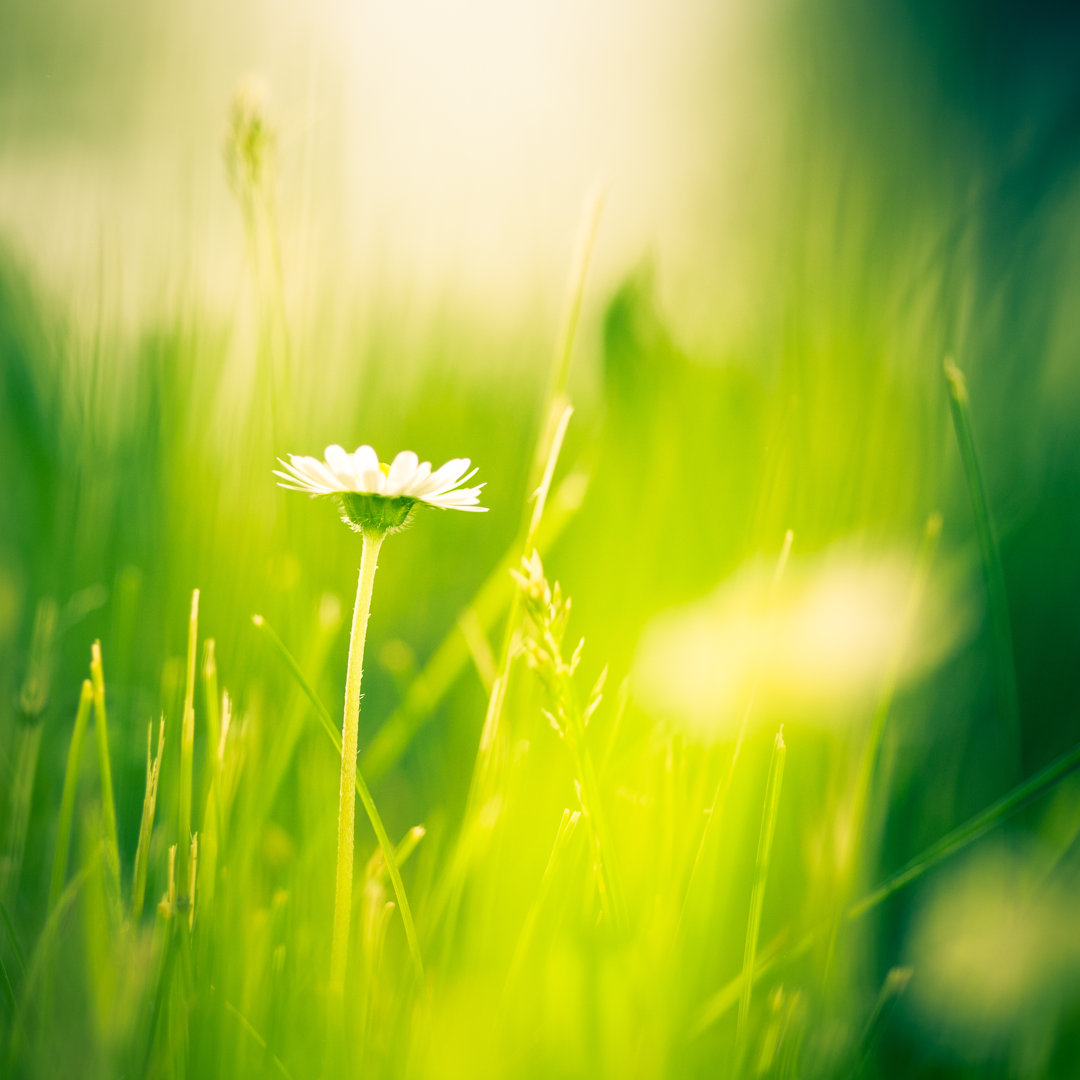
738,736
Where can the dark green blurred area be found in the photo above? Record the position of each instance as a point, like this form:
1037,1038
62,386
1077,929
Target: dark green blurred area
914,195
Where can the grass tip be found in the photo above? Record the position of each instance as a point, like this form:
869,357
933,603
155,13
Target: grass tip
955,378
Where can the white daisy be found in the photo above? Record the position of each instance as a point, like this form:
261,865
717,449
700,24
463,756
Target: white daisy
377,494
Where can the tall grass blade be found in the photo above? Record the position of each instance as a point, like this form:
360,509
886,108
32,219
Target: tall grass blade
362,791
498,691
67,798
439,673
31,702
950,844
187,750
146,823
1005,666
891,991
545,458
6,986
212,705
757,895
108,803
719,801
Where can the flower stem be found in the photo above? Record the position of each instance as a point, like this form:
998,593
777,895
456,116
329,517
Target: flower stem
339,950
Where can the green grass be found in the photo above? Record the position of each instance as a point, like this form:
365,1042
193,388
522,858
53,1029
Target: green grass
557,874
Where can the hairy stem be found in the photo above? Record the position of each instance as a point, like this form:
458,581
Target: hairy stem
339,951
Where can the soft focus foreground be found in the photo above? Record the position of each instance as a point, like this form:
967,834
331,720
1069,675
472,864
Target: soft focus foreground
803,803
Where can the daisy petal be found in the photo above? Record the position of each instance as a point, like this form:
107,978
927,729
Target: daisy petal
360,472
402,470
416,484
364,460
373,481
446,476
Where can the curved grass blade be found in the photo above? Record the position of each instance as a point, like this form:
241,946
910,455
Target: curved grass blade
361,789
956,840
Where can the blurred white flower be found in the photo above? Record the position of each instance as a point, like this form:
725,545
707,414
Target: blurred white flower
361,473
996,951
818,645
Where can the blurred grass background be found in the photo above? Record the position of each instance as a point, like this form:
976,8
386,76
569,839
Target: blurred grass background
807,208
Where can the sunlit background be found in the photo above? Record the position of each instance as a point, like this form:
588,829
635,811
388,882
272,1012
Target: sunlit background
231,232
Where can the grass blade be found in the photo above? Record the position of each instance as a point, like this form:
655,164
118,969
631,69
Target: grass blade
361,789
761,874
719,800
959,405
187,752
212,704
108,804
146,823
891,990
956,840
67,799
446,663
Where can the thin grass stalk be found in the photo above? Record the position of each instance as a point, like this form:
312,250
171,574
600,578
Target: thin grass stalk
564,834
36,969
359,784
381,835
484,767
719,799
31,702
187,751
28,746
259,1041
13,938
757,895
108,804
872,750
193,877
856,819
146,823
498,690
997,596
216,808
7,987
212,705
545,457
430,686
595,818
316,648
67,798
888,997
952,843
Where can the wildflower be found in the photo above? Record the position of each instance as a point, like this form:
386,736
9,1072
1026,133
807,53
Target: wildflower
377,499
377,496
